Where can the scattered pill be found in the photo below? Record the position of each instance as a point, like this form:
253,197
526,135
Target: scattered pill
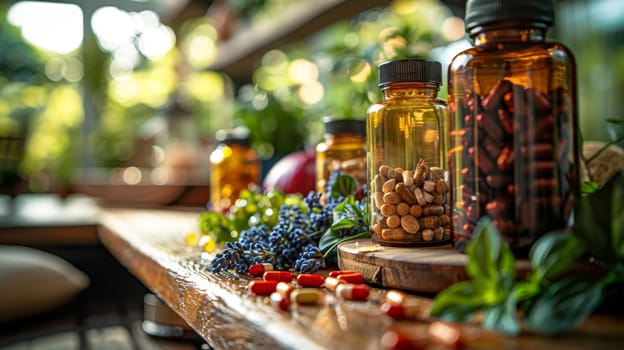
337,273
305,296
353,291
262,287
395,297
260,269
278,300
395,311
280,276
332,282
284,289
401,339
310,280
353,277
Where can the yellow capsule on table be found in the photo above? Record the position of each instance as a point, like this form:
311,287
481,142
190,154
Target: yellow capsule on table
305,296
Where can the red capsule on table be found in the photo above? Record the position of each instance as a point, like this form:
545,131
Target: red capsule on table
354,277
262,287
395,311
260,269
278,300
352,291
337,273
310,280
280,276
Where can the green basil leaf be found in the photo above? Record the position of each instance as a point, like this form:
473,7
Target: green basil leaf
617,215
563,305
343,224
490,260
503,317
600,205
459,302
527,289
329,238
596,241
554,253
344,185
342,207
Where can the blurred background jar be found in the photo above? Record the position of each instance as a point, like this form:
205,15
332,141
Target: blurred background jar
234,167
343,149
513,125
406,156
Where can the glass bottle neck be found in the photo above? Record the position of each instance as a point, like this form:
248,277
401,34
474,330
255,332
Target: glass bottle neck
506,32
410,90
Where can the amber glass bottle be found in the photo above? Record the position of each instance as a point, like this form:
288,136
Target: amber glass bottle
234,166
513,124
406,156
342,149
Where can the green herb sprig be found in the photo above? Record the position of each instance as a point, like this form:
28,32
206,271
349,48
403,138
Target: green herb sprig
550,300
350,217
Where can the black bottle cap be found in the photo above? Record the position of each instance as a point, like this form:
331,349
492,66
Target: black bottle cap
236,136
410,70
480,12
345,126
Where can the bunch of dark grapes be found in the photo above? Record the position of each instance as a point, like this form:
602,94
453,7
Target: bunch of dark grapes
310,260
290,244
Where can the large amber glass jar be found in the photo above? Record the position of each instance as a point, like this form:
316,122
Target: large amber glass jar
234,167
343,150
513,125
406,156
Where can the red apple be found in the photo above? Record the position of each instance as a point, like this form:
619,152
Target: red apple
294,173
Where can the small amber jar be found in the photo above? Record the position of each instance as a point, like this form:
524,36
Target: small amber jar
513,125
234,167
342,149
406,156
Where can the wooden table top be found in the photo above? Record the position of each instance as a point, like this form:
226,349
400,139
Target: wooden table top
151,244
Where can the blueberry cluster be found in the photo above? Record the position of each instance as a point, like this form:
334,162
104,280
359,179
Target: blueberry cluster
291,244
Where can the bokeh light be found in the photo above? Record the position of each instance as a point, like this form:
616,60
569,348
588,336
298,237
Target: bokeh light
56,27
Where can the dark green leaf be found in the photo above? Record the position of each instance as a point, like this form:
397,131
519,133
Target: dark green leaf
345,185
328,239
344,223
459,302
563,305
503,317
554,252
598,220
527,289
600,204
596,241
490,260
617,215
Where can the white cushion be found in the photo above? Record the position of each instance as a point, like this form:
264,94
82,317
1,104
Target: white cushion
33,281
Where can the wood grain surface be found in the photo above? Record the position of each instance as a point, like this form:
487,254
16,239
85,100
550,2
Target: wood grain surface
417,269
151,245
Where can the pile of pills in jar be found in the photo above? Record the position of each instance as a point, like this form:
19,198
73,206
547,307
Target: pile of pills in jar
514,162
410,205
